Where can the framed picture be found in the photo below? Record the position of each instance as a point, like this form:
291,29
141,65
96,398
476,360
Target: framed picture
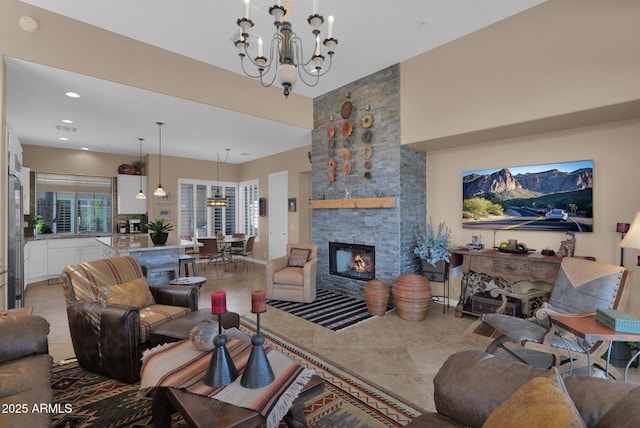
292,205
553,197
164,199
163,212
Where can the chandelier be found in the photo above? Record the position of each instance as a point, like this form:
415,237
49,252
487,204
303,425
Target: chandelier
285,54
217,201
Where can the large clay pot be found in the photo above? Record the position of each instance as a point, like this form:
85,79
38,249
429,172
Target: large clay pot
411,294
376,294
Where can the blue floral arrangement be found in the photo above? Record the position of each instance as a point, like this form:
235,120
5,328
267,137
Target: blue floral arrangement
433,246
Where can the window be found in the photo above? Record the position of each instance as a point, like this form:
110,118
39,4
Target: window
249,210
70,204
198,219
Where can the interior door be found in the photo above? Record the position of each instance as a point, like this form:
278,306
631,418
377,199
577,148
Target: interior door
278,214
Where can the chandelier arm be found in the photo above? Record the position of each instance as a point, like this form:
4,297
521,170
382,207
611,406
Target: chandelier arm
323,70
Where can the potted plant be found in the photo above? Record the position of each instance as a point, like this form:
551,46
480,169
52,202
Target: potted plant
159,230
433,250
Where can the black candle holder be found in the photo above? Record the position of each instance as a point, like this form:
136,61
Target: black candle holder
258,372
222,371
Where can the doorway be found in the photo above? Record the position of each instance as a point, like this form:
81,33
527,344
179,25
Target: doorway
278,214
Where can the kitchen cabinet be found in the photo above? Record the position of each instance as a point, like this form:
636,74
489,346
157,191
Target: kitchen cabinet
35,261
25,180
69,251
45,258
128,189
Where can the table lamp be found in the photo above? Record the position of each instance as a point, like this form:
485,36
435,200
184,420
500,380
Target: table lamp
258,372
221,371
622,228
632,237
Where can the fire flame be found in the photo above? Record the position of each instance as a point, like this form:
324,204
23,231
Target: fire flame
359,264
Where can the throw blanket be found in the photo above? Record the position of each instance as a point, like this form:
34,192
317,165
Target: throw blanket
180,365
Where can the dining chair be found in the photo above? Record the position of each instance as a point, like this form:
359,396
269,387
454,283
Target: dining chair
248,251
211,252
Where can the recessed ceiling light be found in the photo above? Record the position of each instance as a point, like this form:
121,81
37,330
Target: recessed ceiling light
66,121
72,94
63,139
84,148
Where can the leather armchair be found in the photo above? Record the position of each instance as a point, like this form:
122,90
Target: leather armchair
293,283
109,338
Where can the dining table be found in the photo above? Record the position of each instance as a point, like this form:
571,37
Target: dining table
225,244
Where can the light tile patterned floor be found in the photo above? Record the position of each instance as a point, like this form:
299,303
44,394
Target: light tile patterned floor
400,356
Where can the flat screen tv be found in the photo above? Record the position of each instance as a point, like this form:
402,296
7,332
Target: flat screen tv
556,197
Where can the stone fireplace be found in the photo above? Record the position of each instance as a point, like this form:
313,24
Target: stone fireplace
351,208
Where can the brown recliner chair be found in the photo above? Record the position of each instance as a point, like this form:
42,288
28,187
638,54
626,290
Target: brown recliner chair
293,277
112,312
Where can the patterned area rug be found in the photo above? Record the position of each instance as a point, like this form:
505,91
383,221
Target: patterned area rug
330,310
347,400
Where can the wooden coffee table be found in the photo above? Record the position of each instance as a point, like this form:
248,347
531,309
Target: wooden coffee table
199,411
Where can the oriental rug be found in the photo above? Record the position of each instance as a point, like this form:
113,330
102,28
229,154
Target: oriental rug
347,401
331,310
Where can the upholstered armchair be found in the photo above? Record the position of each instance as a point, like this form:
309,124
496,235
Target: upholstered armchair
293,277
112,312
581,287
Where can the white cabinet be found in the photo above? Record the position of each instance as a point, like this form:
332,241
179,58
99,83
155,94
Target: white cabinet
69,251
45,258
36,261
128,187
25,180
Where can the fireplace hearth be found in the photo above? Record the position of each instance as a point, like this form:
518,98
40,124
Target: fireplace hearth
354,261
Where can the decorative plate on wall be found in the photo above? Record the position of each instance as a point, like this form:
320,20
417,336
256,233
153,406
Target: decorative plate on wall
367,152
366,136
332,164
345,111
346,167
367,121
346,154
347,128
331,131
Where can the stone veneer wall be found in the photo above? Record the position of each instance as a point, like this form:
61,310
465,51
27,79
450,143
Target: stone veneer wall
396,171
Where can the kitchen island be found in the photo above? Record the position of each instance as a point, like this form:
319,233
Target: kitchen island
140,247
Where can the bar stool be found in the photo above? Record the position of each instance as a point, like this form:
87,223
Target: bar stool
185,261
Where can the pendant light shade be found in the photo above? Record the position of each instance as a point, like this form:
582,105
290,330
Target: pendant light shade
159,190
141,194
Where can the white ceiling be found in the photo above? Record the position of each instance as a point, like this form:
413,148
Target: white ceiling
109,117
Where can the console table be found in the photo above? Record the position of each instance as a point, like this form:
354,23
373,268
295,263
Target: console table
508,266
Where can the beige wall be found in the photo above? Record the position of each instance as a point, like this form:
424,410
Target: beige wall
559,65
614,149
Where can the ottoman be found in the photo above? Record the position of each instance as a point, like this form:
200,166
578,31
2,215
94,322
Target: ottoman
179,328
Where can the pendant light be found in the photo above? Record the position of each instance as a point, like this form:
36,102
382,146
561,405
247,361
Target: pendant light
141,195
159,191
218,201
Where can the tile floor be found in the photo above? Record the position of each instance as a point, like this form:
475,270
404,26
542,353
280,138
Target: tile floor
400,356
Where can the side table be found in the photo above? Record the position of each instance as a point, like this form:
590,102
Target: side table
591,330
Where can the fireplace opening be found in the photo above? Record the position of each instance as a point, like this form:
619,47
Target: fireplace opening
352,260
